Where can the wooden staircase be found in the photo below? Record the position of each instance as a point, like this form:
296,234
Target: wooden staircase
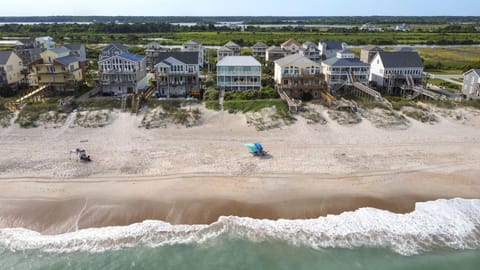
293,104
35,95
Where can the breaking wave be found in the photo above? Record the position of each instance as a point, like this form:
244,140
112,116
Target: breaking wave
441,224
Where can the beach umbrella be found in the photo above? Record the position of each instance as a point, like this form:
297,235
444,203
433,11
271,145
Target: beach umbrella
254,147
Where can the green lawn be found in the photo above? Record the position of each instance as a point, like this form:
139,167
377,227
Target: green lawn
451,87
450,60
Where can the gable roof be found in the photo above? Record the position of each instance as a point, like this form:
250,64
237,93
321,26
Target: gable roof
275,49
372,48
333,45
66,60
60,50
477,71
344,62
132,57
296,59
192,42
4,56
224,49
189,58
400,59
290,42
172,61
231,44
260,45
119,46
235,61
309,44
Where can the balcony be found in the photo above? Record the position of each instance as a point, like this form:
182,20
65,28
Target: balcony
239,74
120,71
168,73
303,75
345,73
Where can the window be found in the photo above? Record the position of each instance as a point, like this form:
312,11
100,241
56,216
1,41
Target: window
285,81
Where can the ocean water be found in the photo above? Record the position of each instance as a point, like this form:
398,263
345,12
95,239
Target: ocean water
443,234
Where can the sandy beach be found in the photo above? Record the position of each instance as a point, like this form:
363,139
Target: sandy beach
194,175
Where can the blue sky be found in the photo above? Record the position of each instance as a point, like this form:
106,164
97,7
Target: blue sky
243,8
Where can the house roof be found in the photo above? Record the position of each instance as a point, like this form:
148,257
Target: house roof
73,46
260,45
189,58
132,57
4,55
172,61
296,59
275,49
60,50
333,45
290,42
224,49
231,44
403,49
372,48
309,44
235,61
344,62
192,42
66,60
477,71
400,59
117,45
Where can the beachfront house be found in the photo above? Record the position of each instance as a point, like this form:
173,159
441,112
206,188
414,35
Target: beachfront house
471,84
368,52
311,51
259,49
121,72
291,46
239,73
392,70
223,52
299,76
177,74
195,46
152,50
45,43
329,48
274,53
234,47
26,50
112,50
76,49
59,69
11,67
344,68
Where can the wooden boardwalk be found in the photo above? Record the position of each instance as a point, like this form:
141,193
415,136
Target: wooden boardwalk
293,104
13,105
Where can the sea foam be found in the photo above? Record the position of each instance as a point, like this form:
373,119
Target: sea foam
441,224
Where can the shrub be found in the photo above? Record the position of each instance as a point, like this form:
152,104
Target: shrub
211,94
212,105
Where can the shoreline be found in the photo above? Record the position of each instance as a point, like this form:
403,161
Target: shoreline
72,204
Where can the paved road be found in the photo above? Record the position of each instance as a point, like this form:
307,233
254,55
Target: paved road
447,77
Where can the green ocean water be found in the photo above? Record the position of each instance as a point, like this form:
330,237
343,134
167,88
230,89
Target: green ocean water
225,253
